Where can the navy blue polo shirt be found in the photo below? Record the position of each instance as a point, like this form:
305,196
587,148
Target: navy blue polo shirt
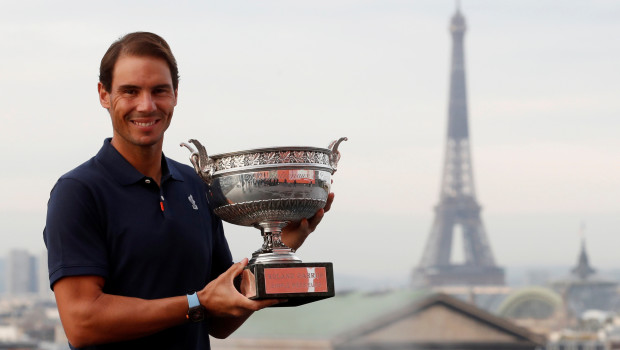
105,218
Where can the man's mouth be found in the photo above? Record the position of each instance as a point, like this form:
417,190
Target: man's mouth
144,124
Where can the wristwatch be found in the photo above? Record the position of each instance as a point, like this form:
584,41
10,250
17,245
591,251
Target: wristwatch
196,312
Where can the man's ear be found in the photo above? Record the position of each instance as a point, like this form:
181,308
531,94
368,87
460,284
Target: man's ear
104,96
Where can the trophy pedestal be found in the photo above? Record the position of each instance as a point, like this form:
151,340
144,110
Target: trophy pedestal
299,283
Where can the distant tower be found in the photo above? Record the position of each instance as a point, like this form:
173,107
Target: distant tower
21,273
583,269
458,209
584,289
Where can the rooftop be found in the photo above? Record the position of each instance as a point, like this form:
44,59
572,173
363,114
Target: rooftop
326,318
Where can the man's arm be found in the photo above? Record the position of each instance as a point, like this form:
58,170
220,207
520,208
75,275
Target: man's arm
90,316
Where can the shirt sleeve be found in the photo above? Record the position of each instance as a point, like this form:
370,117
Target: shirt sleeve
74,232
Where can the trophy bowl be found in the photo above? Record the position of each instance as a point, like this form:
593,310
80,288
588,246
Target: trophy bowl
267,188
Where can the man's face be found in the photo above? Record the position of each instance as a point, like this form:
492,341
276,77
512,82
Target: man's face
141,101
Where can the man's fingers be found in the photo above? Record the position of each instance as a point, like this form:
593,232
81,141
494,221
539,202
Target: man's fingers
256,305
261,304
314,221
237,268
248,285
328,204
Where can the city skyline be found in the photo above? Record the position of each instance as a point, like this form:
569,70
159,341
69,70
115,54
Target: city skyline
542,84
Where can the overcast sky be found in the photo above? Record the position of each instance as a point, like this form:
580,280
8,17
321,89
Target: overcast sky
543,81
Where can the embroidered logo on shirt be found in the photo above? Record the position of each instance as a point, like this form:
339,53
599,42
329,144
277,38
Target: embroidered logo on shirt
191,200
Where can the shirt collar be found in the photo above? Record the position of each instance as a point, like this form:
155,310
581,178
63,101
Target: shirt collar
170,171
123,172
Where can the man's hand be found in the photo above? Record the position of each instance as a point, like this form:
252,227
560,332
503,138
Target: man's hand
229,307
221,298
295,233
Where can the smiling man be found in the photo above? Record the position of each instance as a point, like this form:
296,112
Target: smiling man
141,100
137,259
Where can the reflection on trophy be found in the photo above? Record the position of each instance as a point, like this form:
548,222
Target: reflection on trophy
268,188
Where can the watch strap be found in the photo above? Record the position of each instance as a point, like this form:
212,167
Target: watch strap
192,300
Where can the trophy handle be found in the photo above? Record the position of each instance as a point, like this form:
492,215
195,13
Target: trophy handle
201,161
334,157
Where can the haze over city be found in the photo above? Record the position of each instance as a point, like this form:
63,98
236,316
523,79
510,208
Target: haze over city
543,87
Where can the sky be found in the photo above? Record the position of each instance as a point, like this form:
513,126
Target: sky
543,83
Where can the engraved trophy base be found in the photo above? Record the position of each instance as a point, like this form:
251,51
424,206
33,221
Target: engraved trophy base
299,283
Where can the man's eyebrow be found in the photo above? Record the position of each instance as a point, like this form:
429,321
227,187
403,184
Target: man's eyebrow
163,86
136,87
128,87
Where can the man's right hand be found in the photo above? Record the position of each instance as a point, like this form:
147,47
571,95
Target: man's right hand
223,301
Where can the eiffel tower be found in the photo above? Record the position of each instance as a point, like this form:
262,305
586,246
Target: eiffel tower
458,211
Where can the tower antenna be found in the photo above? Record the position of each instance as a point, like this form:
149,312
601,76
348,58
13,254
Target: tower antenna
582,230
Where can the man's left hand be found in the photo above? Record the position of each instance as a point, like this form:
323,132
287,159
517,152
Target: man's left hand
295,233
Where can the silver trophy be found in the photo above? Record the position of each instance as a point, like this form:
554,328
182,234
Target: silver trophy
268,188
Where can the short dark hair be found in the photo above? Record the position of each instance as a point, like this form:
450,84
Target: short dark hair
137,44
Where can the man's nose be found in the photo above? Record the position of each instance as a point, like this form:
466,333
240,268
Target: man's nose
146,103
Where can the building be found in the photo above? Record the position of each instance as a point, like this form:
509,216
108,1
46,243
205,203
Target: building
537,308
2,275
440,322
315,325
399,319
21,273
43,279
584,289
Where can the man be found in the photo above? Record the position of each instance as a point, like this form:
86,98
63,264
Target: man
130,235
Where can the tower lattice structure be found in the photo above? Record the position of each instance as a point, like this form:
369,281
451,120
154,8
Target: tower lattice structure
458,206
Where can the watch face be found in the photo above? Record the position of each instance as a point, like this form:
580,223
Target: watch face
196,314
